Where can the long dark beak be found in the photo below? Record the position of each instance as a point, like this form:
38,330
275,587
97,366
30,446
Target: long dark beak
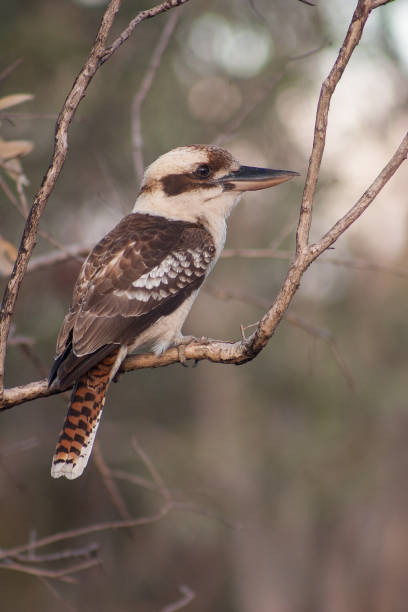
248,178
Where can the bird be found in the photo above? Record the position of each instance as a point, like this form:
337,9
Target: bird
137,285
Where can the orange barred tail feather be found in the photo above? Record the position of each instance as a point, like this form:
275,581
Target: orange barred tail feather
81,423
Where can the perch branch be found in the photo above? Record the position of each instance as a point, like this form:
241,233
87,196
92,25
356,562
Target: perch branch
246,349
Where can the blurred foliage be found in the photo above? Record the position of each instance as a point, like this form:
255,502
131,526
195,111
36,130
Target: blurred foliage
297,480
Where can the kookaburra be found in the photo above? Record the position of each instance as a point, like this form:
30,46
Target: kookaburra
139,282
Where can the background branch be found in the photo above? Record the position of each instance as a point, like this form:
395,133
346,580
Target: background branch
79,252
245,350
141,94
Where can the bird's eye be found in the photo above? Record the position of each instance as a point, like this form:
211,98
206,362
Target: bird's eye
203,171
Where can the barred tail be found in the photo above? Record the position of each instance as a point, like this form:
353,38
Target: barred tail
81,423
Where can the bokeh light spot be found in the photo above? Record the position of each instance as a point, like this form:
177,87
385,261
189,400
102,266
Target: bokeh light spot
241,50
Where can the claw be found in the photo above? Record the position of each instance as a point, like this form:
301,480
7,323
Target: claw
181,349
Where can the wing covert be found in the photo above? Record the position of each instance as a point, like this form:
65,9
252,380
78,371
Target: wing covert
143,269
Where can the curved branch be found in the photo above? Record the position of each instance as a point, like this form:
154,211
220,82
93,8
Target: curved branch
362,204
95,528
147,14
60,152
303,259
218,352
353,36
141,94
97,56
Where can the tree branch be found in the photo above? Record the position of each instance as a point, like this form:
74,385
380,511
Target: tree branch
97,56
363,203
187,596
81,531
352,39
60,152
109,482
147,14
246,349
63,574
304,258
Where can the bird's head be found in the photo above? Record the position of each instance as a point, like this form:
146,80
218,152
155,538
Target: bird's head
201,181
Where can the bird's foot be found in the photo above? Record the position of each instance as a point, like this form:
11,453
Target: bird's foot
185,341
181,349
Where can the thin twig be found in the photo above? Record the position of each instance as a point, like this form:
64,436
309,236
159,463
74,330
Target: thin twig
63,574
323,334
352,39
377,3
260,96
148,14
327,337
10,195
364,202
134,479
141,94
109,482
81,531
22,207
62,601
79,252
10,69
157,479
84,552
344,262
306,256
29,352
187,596
22,197
247,109
268,253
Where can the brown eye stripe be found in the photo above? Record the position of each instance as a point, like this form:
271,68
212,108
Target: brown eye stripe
217,159
174,184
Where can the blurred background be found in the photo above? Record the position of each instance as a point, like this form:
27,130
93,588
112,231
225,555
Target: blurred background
290,471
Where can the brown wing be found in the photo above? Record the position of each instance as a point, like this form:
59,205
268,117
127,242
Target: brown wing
142,270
